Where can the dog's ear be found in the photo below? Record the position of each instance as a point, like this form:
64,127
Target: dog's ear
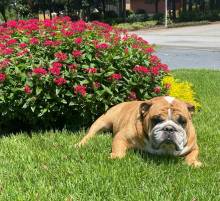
190,107
144,108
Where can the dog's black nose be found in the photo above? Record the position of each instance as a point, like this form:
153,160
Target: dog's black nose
169,129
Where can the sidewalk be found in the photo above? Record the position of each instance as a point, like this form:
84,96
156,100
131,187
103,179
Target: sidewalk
204,36
187,47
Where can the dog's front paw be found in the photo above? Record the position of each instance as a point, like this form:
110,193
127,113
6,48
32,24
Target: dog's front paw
117,155
78,145
195,163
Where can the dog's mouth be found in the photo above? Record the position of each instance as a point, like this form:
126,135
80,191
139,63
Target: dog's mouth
168,144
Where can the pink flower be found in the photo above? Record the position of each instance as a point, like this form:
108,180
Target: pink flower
141,69
115,76
164,67
149,50
59,81
53,34
61,56
47,23
72,66
126,37
22,52
155,70
12,23
102,25
57,64
157,90
39,71
132,95
67,33
80,89
77,53
2,77
27,89
126,50
48,42
154,59
91,70
78,40
54,70
5,37
96,85
22,45
2,46
135,46
167,85
8,51
34,41
102,46
4,63
57,43
11,41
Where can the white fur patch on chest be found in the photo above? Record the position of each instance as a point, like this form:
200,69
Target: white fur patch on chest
169,99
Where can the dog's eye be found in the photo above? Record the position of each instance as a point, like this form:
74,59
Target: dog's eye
182,121
156,120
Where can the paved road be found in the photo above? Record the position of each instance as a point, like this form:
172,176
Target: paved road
187,47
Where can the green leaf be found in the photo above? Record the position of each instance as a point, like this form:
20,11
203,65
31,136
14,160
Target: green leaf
33,108
109,73
25,105
106,89
57,91
63,101
72,103
83,82
38,90
43,111
116,57
89,56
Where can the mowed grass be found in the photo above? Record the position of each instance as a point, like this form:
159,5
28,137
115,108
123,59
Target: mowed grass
48,167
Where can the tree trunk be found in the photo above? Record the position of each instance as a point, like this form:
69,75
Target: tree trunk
124,10
44,14
184,5
103,6
3,14
212,4
156,6
174,9
120,7
202,6
218,4
190,5
68,6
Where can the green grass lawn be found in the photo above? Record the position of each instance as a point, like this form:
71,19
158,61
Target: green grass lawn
47,167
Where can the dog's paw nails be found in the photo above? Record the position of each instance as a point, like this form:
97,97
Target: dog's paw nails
195,164
112,156
116,156
78,145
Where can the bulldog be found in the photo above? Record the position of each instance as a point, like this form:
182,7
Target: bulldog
162,125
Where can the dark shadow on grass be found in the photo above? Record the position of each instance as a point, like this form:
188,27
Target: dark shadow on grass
157,159
17,126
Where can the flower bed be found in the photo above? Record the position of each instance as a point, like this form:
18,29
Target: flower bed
181,90
57,72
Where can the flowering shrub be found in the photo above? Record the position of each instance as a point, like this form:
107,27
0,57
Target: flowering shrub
181,90
57,72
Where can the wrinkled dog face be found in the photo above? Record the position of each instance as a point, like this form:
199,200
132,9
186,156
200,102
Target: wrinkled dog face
167,124
168,133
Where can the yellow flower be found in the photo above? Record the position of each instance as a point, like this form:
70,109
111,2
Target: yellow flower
181,90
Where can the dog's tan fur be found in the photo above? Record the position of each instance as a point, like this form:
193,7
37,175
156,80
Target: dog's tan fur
130,123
